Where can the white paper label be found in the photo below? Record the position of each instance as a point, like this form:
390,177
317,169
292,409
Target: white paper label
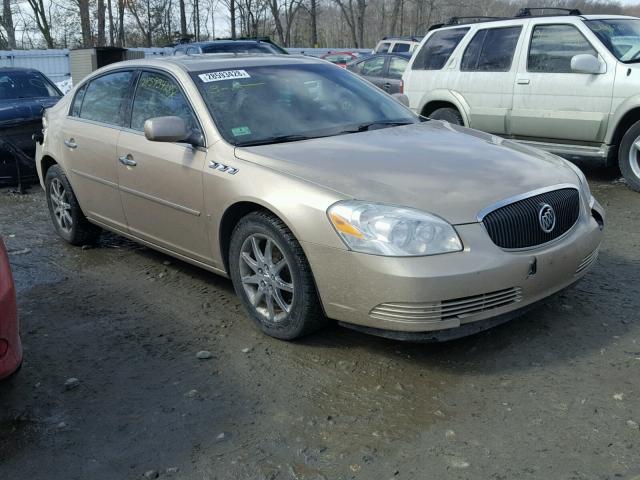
225,75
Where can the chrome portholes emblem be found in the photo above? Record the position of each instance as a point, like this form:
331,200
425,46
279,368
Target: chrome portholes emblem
547,218
223,168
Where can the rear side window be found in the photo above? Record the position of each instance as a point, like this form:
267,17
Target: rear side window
553,46
159,96
105,96
77,101
397,66
438,48
383,48
401,47
491,50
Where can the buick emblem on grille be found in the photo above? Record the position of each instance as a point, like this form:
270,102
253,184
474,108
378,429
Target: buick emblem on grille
547,218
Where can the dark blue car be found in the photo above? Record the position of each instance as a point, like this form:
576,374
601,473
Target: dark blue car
24,94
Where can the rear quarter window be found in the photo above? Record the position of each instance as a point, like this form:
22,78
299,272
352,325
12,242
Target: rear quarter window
438,48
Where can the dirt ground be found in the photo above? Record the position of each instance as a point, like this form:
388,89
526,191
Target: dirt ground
553,395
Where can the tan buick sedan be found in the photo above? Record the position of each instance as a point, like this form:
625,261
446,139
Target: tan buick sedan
320,196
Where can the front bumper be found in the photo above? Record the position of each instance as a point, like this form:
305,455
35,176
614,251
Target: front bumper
354,287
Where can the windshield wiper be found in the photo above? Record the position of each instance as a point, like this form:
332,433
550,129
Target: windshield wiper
363,127
277,139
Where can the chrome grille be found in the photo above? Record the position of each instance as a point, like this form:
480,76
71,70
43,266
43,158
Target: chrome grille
446,309
517,225
587,261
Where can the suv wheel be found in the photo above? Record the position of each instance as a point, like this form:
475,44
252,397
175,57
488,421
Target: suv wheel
629,156
450,115
272,277
67,217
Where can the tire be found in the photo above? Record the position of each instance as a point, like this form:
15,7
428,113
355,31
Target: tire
629,157
447,114
287,284
66,215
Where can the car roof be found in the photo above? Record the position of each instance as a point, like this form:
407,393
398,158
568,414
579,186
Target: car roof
516,20
220,42
19,69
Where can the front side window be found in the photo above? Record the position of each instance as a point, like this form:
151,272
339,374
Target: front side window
25,84
280,103
397,67
491,50
373,67
553,46
620,36
438,48
401,47
157,95
105,96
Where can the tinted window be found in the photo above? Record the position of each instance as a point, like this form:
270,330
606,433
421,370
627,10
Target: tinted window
105,96
159,96
553,46
383,48
438,48
77,101
24,84
491,50
401,47
373,67
397,67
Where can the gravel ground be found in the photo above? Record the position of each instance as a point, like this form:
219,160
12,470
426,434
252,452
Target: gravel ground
553,395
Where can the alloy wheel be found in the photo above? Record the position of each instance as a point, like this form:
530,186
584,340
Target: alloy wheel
634,157
61,206
266,277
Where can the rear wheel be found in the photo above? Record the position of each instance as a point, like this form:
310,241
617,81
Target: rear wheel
272,277
629,156
67,217
447,114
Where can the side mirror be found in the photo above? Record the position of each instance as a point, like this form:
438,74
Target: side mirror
170,129
401,98
585,63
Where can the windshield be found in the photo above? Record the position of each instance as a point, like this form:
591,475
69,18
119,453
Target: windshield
242,47
270,104
19,84
620,36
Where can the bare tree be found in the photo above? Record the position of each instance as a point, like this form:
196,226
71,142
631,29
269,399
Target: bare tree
111,26
101,23
42,21
183,19
6,22
85,21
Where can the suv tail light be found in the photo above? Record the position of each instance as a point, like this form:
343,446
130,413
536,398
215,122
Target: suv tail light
401,86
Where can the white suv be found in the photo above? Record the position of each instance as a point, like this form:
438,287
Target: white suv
567,84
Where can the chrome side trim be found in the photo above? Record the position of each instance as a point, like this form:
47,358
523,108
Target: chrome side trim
95,179
516,198
166,203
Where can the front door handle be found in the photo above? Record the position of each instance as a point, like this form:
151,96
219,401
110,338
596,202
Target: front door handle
71,143
128,161
523,81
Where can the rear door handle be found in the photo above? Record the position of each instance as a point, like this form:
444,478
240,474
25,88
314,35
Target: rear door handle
523,81
71,143
128,161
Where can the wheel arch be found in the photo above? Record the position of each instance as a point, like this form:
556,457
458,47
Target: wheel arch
46,162
624,123
444,99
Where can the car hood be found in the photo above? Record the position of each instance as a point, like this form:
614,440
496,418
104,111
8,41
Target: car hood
451,171
20,110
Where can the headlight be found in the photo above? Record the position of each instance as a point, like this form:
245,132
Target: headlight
392,231
584,184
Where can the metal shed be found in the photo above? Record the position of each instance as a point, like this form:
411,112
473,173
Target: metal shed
86,60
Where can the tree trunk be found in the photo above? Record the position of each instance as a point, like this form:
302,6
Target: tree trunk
362,5
394,16
85,23
232,13
6,21
101,23
111,27
41,21
183,20
314,23
122,42
149,27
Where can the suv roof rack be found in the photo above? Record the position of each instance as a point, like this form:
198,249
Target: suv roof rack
526,12
464,21
411,38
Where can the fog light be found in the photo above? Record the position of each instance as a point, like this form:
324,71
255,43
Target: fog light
4,347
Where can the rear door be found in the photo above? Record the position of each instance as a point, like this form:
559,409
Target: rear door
90,135
486,76
373,70
395,68
550,100
160,182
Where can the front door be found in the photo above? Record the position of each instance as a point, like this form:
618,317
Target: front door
161,183
551,101
91,132
373,70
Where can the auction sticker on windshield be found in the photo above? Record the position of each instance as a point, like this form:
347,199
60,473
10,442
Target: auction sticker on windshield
224,75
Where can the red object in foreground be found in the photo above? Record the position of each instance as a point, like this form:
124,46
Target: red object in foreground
10,346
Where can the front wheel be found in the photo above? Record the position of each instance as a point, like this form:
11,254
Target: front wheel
272,277
629,156
447,114
67,217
